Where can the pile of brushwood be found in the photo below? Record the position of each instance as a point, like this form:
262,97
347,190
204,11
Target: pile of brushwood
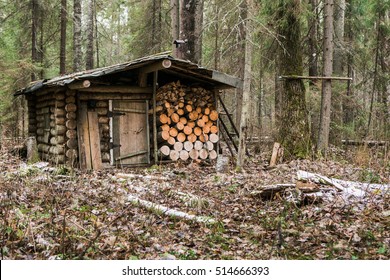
297,210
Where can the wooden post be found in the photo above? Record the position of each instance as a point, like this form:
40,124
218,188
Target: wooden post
155,148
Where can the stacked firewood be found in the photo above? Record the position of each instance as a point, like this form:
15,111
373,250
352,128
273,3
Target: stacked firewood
187,122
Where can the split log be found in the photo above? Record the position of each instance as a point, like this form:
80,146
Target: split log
174,155
194,154
213,115
163,136
175,118
213,154
192,138
188,146
178,146
203,153
171,141
209,145
214,129
187,130
181,137
213,138
198,145
184,155
204,137
173,132
163,119
165,150
180,126
165,127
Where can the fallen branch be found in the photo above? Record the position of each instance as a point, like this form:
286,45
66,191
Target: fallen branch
267,192
356,189
168,211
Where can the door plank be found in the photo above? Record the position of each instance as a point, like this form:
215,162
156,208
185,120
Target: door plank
94,138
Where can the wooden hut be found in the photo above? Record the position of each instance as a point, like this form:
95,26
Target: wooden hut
131,113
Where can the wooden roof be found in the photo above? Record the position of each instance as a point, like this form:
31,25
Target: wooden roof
163,63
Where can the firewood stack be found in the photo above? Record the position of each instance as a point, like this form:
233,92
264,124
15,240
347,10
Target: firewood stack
187,122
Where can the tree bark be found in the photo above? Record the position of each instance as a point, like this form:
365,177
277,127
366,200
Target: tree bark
245,112
339,22
313,55
326,96
34,28
89,56
293,127
191,22
348,108
77,54
241,59
156,26
175,24
64,14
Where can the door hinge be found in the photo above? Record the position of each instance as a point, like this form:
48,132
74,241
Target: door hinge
113,146
111,114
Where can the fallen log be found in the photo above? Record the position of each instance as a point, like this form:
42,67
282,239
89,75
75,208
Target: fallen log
168,211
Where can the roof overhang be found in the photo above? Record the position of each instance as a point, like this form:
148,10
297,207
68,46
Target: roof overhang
164,63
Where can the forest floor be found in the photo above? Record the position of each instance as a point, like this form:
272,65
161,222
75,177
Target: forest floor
55,213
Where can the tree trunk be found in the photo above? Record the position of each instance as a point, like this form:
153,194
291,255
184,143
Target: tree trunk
293,128
245,112
338,70
34,28
89,56
191,21
156,26
347,100
77,55
175,24
313,55
241,59
339,21
63,37
323,136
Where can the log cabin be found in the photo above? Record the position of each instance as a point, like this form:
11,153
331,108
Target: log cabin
133,113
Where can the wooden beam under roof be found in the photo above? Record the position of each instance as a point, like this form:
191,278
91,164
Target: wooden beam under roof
227,79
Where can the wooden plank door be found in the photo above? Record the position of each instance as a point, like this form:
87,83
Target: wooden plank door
88,138
130,132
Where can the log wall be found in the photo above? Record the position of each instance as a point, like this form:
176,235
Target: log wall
50,126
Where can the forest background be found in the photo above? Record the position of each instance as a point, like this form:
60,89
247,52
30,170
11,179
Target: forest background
41,39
